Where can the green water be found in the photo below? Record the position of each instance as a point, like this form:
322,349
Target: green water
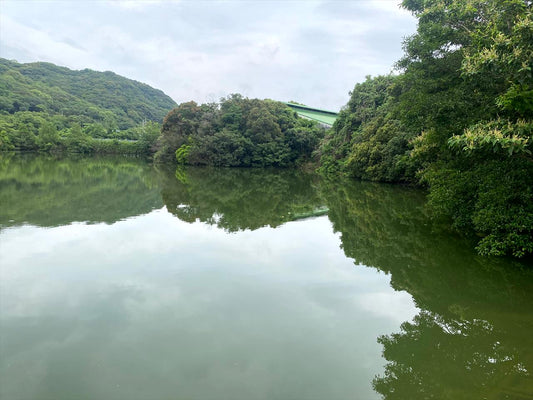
119,280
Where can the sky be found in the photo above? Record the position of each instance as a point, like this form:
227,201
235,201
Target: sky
312,52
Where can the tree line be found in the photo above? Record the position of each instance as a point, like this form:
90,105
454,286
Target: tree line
456,119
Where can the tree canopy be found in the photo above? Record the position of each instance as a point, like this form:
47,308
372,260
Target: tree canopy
458,118
237,132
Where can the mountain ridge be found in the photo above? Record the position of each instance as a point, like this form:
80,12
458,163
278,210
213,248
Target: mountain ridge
86,95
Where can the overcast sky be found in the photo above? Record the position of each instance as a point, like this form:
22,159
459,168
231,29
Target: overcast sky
312,52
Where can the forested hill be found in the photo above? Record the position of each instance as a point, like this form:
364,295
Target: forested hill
84,96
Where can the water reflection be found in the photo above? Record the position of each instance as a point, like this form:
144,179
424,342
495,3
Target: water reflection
458,358
472,338
52,191
170,304
238,199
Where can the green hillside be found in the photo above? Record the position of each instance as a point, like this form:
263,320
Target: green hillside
86,96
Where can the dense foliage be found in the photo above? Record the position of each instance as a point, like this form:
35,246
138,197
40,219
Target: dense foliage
458,119
49,108
29,131
237,132
368,140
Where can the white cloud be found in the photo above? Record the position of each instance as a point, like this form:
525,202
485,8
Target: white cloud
312,51
136,5
40,44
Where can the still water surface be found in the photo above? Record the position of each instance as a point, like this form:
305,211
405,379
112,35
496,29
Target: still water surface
124,281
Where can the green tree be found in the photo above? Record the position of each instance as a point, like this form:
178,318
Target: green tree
149,132
467,88
237,132
48,138
178,126
77,141
5,141
457,119
368,141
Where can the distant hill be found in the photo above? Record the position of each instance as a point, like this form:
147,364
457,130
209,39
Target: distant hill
84,96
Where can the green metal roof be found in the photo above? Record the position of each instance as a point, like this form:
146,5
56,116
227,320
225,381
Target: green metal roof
323,116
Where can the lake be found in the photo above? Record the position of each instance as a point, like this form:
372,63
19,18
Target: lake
121,280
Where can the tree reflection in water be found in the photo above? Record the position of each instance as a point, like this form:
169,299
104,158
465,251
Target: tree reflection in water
472,338
237,199
47,190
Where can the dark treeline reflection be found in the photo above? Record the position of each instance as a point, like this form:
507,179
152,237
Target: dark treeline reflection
473,336
48,191
238,199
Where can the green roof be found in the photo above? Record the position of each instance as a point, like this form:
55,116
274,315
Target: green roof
323,116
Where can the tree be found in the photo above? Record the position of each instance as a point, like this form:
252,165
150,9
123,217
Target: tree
237,132
5,141
48,138
457,119
179,124
77,141
467,88
148,133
